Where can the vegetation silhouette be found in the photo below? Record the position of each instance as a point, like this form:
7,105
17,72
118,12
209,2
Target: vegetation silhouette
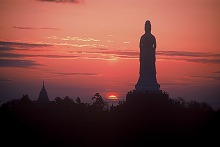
70,122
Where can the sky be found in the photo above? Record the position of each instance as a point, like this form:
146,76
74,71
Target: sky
81,47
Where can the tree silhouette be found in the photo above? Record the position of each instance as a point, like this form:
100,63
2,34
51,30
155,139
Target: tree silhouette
78,100
99,104
25,99
73,123
58,100
68,100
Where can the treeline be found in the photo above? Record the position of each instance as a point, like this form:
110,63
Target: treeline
71,122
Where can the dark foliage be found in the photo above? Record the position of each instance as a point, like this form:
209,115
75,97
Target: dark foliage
69,122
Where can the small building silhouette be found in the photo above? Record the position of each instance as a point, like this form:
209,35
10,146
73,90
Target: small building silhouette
43,97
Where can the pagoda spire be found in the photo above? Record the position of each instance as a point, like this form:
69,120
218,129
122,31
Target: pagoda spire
43,85
43,97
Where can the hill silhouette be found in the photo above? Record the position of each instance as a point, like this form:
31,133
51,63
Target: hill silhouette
70,122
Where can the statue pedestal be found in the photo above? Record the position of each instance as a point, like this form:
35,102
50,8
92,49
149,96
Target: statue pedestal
147,99
142,87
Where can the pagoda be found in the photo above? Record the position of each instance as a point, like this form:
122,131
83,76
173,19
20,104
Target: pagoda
43,97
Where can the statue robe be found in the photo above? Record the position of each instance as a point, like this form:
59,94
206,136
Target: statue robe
147,78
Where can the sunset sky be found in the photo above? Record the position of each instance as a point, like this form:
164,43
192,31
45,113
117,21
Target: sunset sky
80,47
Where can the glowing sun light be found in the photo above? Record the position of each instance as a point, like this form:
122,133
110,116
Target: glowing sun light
112,97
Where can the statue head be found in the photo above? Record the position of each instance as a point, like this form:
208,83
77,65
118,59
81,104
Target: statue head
147,26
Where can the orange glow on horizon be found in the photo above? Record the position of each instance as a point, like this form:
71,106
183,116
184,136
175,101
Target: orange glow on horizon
112,97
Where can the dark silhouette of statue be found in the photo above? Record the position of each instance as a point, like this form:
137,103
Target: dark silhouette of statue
147,79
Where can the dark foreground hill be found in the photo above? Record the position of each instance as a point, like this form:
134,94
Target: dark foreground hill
65,122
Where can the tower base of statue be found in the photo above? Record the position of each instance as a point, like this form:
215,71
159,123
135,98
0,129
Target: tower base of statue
142,87
147,81
147,100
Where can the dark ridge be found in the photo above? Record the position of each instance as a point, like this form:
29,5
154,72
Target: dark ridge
141,120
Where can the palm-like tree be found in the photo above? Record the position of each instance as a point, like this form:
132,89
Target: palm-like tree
99,103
